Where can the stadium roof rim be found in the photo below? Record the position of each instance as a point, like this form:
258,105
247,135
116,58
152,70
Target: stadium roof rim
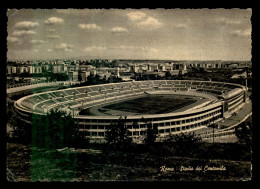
240,86
211,106
18,104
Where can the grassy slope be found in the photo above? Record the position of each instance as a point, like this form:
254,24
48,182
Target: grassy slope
70,166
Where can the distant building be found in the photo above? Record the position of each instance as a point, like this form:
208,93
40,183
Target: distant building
73,76
13,70
118,75
19,70
25,70
218,65
242,75
232,65
72,68
84,75
177,66
9,70
134,68
93,72
46,67
58,68
152,67
104,75
38,69
162,67
126,76
30,70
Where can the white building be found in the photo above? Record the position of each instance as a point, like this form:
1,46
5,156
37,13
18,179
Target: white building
84,75
9,70
58,68
30,70
13,70
73,76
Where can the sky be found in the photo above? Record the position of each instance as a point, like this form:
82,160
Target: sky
165,34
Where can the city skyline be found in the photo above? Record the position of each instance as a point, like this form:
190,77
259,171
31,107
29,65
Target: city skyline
173,34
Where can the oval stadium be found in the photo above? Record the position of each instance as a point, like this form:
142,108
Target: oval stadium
175,106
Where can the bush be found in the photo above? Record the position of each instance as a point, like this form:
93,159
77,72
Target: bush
117,135
56,130
184,144
20,130
243,133
151,134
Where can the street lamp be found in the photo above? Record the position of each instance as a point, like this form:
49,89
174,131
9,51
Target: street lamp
213,126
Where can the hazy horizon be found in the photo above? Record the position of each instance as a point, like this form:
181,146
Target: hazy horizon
84,59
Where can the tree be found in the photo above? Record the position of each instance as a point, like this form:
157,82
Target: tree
123,132
243,133
184,144
151,133
112,134
21,130
55,130
117,135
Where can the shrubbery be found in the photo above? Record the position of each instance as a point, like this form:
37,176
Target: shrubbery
151,134
188,145
117,136
243,133
56,130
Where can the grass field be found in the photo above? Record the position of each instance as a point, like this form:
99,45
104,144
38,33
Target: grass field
152,104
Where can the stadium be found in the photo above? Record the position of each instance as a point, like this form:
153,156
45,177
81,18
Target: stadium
175,106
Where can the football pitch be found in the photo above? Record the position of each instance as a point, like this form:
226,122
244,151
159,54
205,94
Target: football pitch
151,104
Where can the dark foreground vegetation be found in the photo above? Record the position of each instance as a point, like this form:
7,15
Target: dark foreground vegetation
100,163
52,154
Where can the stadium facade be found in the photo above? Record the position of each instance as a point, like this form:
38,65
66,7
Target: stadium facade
223,100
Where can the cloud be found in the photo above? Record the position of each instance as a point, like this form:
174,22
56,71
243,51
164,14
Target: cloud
53,36
23,32
119,30
94,48
53,20
89,27
50,50
14,40
227,21
150,22
64,47
242,33
151,50
180,26
61,47
140,19
52,30
136,16
233,22
37,42
26,25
